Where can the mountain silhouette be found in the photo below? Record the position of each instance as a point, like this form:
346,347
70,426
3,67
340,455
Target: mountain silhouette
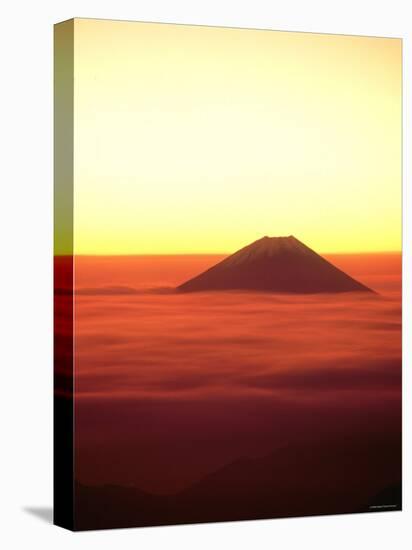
275,264
312,477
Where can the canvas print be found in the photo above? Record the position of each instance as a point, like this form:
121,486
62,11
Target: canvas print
227,274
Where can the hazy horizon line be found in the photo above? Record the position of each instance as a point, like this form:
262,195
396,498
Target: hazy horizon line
158,254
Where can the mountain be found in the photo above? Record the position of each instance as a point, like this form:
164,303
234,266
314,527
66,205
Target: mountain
312,477
275,264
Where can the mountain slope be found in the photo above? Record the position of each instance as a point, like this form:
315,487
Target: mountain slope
276,264
311,477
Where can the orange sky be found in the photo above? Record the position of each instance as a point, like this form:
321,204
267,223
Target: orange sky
200,140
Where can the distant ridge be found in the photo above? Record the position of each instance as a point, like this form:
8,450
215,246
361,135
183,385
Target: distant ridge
275,264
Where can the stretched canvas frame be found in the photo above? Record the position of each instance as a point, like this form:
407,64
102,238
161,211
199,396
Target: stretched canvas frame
227,274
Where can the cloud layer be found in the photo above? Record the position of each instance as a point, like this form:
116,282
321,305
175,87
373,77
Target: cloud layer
170,387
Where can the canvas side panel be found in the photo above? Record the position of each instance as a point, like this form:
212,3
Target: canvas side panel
63,275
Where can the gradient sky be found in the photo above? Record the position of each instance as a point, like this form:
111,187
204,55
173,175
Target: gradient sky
199,139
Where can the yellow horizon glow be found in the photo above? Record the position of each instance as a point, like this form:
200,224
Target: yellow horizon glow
193,139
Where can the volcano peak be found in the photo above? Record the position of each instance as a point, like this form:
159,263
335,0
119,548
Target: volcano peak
275,264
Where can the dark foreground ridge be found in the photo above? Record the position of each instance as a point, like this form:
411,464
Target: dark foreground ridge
275,264
340,476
